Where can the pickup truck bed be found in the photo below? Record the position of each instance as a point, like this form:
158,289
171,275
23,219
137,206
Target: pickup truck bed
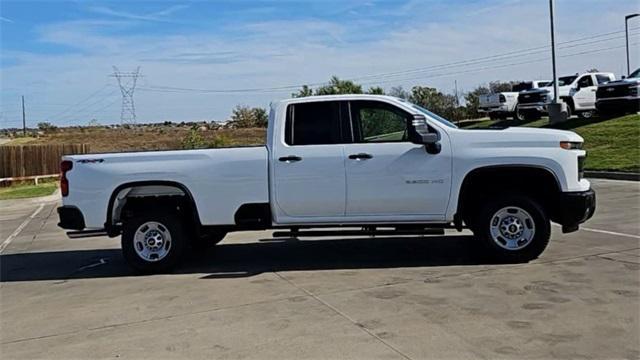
218,180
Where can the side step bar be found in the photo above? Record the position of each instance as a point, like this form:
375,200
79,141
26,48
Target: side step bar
85,233
318,233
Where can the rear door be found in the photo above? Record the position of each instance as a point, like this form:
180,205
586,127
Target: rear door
387,175
309,167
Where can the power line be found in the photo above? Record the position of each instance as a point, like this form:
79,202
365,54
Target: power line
81,101
497,57
413,77
80,111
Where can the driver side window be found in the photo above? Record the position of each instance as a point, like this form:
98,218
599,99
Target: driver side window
585,81
378,122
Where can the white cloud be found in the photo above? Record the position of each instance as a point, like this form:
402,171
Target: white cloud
4,19
160,15
278,52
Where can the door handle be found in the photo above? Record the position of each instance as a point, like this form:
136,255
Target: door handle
360,156
290,158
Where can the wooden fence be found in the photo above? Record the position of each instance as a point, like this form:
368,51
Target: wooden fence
29,160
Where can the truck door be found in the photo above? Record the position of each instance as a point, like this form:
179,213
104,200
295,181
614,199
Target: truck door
309,173
387,175
585,96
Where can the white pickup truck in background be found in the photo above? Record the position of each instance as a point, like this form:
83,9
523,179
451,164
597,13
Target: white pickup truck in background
501,105
365,164
577,91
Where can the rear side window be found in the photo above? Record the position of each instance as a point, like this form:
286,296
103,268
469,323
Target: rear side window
602,79
313,123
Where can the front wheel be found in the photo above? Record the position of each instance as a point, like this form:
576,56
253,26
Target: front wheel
513,229
153,243
586,114
518,115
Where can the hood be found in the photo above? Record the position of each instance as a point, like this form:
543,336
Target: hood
623,82
560,135
518,137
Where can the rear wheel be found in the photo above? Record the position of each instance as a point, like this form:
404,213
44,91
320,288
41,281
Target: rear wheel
513,228
153,243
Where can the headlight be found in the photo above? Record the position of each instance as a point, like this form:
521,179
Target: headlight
571,145
633,89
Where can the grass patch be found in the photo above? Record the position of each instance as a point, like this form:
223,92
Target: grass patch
611,144
22,191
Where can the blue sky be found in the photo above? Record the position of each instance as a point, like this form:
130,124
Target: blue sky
59,54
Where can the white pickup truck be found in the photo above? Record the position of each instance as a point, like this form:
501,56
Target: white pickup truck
577,91
378,165
502,105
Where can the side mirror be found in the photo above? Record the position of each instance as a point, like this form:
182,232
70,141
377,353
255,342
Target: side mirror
624,77
419,134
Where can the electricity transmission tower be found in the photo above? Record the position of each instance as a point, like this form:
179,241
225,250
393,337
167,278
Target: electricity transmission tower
127,82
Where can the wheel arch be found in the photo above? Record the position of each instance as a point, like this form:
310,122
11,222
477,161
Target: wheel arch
155,188
494,177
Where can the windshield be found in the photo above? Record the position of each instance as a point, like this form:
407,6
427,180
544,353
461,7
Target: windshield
565,80
436,117
522,87
635,74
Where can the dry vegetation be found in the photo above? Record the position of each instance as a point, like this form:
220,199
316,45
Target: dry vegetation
103,139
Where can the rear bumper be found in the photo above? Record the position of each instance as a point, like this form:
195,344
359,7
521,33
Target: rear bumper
575,208
71,218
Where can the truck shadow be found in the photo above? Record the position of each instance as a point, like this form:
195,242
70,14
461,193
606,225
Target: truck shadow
248,259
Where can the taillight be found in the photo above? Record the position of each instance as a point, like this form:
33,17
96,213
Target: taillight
65,166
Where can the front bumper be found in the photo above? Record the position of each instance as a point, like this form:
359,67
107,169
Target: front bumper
575,208
71,218
538,106
619,104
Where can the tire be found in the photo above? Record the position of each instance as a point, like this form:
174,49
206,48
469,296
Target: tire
154,243
586,114
512,229
569,111
518,115
492,116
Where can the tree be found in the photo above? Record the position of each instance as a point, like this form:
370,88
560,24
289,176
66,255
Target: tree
334,87
444,105
399,92
247,117
337,86
500,86
375,90
46,127
304,92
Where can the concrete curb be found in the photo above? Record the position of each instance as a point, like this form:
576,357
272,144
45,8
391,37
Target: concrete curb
612,175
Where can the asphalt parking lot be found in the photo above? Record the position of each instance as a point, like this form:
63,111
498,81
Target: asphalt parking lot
255,297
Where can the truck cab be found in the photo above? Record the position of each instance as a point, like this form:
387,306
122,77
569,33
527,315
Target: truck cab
577,91
361,164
